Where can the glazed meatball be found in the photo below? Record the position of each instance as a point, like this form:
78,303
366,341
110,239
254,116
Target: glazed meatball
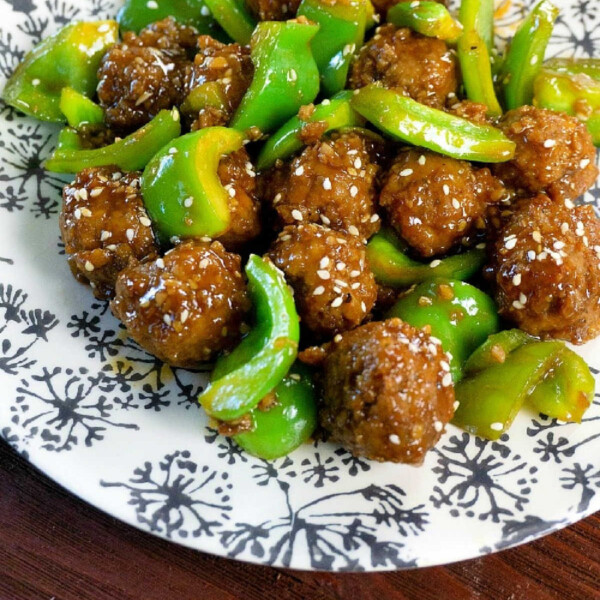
332,182
274,10
472,111
136,81
228,66
434,201
104,225
333,286
545,268
173,38
555,153
417,66
237,175
387,392
186,307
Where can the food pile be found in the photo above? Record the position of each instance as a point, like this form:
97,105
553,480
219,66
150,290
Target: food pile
299,193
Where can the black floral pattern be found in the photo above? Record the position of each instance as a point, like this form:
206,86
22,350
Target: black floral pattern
74,384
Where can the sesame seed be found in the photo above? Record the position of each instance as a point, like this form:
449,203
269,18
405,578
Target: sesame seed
497,426
299,171
394,439
511,243
96,192
204,263
517,279
584,163
549,143
111,247
145,221
531,255
357,163
325,220
447,380
422,159
374,218
363,307
143,97
319,291
340,266
129,234
522,298
355,285
337,302
444,364
533,60
352,230
354,273
353,191
537,236
438,426
205,11
89,266
324,262
435,263
297,215
569,203
446,189
183,317
558,245
231,192
564,227
167,319
292,75
338,338
455,203
327,183
188,202
406,172
456,405
83,194
86,212
160,263
35,82
326,102
516,304
323,275
277,198
152,4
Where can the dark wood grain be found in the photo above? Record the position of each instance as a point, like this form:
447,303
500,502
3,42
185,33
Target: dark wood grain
53,545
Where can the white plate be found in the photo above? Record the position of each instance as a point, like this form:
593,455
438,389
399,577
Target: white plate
120,430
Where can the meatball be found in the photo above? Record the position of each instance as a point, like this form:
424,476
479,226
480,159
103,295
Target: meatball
186,307
417,66
104,225
333,285
434,201
545,268
226,65
555,153
237,175
331,182
136,81
472,111
387,392
274,10
173,38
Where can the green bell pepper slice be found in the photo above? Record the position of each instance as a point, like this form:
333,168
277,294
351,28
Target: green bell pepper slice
393,267
428,18
460,316
568,391
495,350
575,66
341,33
285,142
69,58
577,95
285,75
478,15
243,378
490,400
130,153
282,428
79,109
137,14
526,54
234,17
181,188
409,121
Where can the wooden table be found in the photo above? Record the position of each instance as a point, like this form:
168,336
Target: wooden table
54,546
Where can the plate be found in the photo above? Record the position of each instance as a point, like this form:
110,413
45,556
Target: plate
122,431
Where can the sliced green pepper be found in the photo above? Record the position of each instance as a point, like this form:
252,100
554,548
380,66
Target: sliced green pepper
341,33
68,139
338,114
526,54
69,58
428,18
577,95
575,66
289,423
409,121
243,378
495,350
393,267
137,14
79,109
130,154
568,391
490,399
182,191
476,68
478,15
460,316
234,17
285,75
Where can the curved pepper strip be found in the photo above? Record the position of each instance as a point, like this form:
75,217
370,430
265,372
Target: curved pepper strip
392,267
428,18
69,58
342,30
137,14
478,15
409,121
243,378
338,114
130,154
79,109
460,316
577,95
182,191
476,69
526,54
490,399
285,75
495,350
288,424
234,17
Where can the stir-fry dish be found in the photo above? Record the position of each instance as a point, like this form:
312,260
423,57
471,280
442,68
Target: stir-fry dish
299,192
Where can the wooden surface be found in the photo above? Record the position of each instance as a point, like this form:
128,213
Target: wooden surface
54,546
